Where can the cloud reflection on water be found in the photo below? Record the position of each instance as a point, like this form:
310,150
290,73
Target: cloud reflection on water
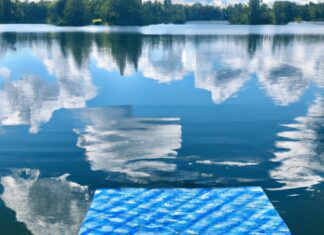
300,153
31,100
222,65
144,150
285,66
137,147
46,205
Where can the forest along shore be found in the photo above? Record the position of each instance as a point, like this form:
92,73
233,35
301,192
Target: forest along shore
137,12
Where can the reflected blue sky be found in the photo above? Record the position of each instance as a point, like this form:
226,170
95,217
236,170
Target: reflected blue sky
81,111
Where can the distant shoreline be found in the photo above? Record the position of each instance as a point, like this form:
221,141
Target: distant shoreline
140,13
195,22
200,28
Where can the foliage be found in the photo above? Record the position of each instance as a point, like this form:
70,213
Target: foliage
6,11
238,14
137,12
259,13
201,12
77,12
122,12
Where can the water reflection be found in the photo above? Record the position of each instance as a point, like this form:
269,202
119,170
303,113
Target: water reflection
31,100
205,145
223,64
300,153
45,205
138,147
290,67
220,64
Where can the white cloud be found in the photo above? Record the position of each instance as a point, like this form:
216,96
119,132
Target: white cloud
285,71
163,61
5,73
228,163
32,100
302,160
222,65
220,68
46,205
104,60
137,147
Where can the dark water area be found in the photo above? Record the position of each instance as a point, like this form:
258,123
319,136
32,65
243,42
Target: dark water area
159,107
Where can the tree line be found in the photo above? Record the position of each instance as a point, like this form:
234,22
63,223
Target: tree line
137,12
281,12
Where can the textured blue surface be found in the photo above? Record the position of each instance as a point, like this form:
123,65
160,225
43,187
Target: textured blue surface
182,211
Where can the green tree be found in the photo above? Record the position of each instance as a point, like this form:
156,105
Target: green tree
315,12
167,2
237,14
6,11
202,12
77,12
259,13
177,14
266,15
122,12
153,13
135,12
31,12
285,11
56,12
254,6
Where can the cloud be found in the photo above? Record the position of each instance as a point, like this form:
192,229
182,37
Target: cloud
5,73
228,163
137,147
285,78
32,100
105,60
222,65
285,84
220,69
301,158
45,205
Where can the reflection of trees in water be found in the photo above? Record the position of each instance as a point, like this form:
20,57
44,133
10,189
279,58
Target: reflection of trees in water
283,40
213,59
7,42
127,47
165,41
9,38
254,42
78,44
123,48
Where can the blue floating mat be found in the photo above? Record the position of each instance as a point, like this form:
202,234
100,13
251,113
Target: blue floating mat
182,211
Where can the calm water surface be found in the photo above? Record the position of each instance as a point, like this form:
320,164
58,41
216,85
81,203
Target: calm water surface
163,106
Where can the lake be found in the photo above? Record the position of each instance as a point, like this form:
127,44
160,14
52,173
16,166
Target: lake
195,105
